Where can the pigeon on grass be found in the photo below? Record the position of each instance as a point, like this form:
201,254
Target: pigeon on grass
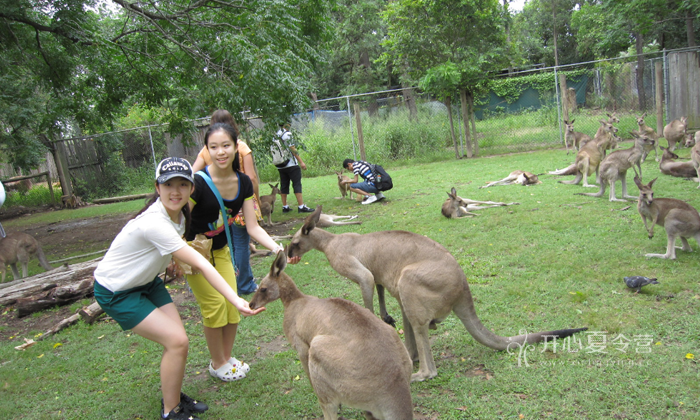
637,282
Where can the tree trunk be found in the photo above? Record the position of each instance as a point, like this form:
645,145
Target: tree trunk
448,103
689,28
365,63
409,97
639,44
470,99
465,120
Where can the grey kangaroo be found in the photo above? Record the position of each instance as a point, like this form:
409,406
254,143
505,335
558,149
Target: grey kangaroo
350,356
18,247
455,207
421,274
616,164
267,204
680,219
669,166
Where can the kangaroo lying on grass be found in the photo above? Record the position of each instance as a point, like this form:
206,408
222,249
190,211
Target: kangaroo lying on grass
328,220
421,274
455,207
669,166
617,163
679,218
589,157
267,204
19,247
350,356
516,177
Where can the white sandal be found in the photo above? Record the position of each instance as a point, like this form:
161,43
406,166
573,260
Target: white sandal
243,367
226,373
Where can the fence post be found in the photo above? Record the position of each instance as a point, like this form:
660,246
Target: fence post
62,169
556,95
360,139
659,97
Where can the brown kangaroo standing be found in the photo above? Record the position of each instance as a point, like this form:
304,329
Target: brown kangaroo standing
650,132
616,165
680,219
695,157
675,131
421,274
575,138
267,203
350,356
18,247
589,157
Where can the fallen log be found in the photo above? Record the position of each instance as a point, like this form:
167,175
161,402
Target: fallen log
60,326
122,198
40,284
91,312
57,296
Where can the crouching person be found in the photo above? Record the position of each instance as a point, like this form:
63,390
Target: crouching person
129,290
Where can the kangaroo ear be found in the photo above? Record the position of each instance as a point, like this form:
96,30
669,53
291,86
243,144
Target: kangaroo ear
638,181
279,264
312,220
652,182
572,121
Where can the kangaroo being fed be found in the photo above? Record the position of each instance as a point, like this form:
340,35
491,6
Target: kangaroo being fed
455,207
421,274
19,247
350,356
617,163
343,185
680,219
267,203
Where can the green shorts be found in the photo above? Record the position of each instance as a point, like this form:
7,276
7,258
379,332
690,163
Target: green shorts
130,307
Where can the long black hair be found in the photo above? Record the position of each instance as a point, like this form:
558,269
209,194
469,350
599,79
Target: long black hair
234,136
185,210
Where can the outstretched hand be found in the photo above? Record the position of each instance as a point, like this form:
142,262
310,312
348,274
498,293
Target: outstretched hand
293,260
244,307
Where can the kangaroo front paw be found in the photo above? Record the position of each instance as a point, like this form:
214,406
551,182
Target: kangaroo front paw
389,320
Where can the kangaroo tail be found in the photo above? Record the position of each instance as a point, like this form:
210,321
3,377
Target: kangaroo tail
464,309
42,258
569,170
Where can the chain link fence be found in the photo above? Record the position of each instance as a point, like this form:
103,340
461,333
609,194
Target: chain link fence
521,111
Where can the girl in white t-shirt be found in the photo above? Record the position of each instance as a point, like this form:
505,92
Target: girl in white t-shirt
129,290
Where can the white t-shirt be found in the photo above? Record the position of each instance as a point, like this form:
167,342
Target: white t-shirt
142,250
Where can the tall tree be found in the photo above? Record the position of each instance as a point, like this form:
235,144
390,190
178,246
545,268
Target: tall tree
424,34
80,61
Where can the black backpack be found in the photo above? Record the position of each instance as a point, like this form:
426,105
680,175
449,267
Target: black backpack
382,180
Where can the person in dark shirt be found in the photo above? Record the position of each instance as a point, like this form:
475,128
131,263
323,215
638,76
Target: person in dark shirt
366,188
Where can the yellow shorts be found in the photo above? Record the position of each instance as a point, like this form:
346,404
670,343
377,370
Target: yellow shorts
216,311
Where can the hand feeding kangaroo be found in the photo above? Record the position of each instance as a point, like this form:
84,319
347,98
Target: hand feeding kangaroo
344,185
455,207
19,247
679,218
574,138
421,274
516,177
669,166
328,220
649,132
695,157
675,131
267,204
616,164
589,157
350,356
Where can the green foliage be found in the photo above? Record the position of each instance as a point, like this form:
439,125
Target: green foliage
39,195
511,88
442,80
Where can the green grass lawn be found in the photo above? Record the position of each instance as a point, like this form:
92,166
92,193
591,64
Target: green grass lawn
557,260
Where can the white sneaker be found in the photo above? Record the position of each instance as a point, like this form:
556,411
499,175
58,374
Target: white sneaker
370,199
379,196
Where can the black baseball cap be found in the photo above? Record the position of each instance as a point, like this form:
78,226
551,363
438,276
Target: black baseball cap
172,167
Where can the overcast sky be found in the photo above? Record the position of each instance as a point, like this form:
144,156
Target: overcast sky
516,5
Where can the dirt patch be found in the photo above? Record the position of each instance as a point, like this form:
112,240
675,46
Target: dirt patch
83,236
